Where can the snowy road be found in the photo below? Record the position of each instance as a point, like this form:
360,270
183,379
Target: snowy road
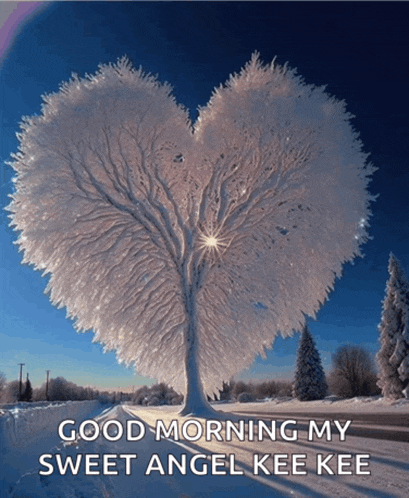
375,430
392,427
137,484
387,447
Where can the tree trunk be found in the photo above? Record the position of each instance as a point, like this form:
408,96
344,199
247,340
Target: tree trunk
196,403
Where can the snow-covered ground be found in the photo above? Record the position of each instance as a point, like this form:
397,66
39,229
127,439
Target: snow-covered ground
378,428
29,429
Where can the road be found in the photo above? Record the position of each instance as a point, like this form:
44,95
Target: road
372,460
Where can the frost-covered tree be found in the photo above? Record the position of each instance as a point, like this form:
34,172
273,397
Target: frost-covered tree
188,248
3,384
393,354
267,389
158,394
11,393
3,381
353,372
310,382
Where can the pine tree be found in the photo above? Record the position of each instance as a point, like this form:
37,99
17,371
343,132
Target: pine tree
393,355
28,391
310,382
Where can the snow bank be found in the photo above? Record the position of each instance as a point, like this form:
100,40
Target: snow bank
28,430
330,404
31,404
23,427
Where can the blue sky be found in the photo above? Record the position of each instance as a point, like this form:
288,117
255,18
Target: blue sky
359,50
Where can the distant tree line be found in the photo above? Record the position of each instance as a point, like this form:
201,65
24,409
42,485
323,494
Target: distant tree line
353,374
252,391
156,395
59,389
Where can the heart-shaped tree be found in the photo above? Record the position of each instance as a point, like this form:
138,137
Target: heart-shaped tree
188,248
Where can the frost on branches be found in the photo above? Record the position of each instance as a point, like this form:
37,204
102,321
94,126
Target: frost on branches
393,355
310,383
188,247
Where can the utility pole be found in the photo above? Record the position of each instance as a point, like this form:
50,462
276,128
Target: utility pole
46,385
21,378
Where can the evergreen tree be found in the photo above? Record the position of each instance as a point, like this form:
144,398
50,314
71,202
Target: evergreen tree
28,391
393,354
310,382
226,391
